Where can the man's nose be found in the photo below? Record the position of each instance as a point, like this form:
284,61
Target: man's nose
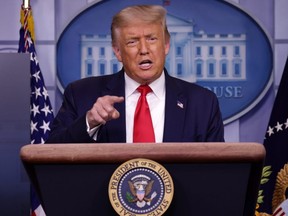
144,47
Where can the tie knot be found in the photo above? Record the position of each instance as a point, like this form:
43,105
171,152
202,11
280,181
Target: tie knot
144,89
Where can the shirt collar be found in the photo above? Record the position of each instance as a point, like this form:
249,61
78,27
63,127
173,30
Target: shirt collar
157,86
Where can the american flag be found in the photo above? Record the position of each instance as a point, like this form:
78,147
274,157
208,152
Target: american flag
275,173
41,114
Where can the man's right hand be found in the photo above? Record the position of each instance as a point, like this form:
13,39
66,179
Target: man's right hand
103,110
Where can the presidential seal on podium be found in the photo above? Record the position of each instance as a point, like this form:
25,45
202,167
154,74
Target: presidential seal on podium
141,187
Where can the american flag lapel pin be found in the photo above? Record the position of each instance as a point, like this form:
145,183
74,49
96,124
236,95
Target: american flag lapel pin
179,104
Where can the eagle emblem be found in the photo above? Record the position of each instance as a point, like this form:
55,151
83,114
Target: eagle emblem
279,200
140,189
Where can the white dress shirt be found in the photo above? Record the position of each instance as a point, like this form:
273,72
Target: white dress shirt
156,102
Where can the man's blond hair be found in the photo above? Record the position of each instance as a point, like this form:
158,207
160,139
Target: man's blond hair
149,14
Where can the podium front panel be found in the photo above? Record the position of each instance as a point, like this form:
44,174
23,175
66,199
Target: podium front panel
219,185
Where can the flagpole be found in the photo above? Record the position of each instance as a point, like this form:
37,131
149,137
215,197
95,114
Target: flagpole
26,4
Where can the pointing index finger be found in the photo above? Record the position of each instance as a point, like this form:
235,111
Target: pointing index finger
116,99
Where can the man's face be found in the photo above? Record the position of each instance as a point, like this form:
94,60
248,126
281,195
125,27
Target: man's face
142,50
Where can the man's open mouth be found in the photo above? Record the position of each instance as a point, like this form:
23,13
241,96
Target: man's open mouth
145,64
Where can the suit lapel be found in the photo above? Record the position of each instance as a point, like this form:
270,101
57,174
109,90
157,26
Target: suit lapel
175,109
116,130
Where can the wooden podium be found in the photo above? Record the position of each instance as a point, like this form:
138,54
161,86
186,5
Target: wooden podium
209,178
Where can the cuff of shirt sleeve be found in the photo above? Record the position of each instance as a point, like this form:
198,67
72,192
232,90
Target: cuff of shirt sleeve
93,132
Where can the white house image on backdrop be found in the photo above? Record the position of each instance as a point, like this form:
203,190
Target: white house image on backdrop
193,56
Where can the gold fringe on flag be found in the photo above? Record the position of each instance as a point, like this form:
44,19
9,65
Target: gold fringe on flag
27,22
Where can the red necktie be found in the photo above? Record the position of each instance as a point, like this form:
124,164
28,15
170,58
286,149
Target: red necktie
143,127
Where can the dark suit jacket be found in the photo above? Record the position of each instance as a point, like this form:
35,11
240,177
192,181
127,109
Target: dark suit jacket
192,113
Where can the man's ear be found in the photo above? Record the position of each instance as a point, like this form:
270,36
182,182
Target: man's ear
117,52
167,46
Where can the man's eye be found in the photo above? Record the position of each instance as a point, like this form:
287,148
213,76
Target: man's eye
131,42
152,39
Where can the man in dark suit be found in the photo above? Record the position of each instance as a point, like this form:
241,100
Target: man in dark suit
101,109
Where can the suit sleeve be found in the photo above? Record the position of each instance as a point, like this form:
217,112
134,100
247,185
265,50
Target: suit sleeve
69,126
215,131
